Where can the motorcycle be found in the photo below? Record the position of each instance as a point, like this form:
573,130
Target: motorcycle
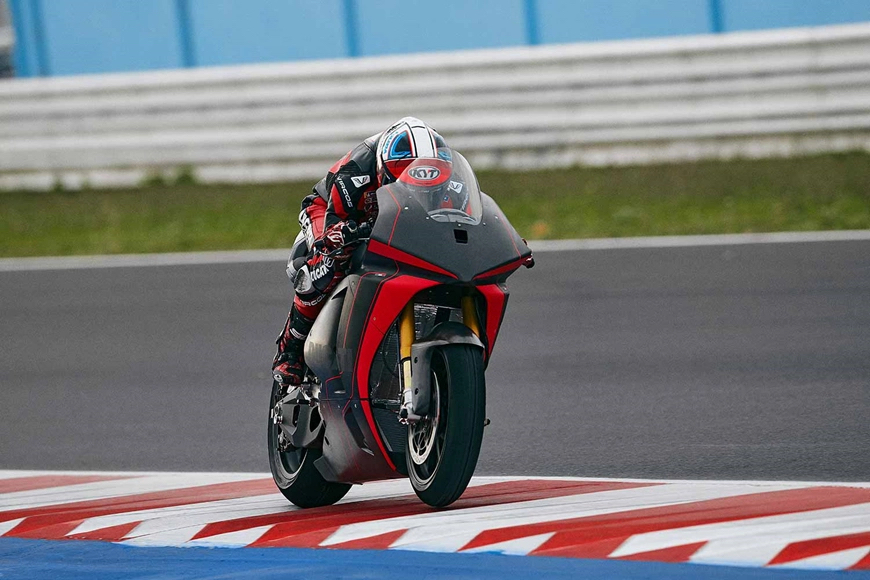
395,361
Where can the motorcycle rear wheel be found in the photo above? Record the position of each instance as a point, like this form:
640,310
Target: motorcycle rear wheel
294,472
443,448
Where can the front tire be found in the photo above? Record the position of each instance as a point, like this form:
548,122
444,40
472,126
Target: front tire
443,447
293,468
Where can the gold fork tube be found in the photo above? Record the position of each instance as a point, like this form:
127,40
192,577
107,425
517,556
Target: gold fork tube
469,315
407,335
406,331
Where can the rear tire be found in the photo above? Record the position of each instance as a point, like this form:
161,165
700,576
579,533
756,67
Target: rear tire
294,472
443,448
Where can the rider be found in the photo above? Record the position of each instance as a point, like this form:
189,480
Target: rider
331,219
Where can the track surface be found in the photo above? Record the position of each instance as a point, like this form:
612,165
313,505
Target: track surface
713,362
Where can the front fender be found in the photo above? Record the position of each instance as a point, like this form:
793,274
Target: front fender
421,359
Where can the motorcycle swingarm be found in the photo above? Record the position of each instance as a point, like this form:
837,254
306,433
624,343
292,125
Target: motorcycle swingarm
443,334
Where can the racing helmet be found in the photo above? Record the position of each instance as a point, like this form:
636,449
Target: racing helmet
407,139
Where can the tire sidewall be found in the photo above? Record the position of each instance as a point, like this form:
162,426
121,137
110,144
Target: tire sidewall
466,409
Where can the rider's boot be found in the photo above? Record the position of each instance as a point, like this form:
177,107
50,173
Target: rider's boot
288,368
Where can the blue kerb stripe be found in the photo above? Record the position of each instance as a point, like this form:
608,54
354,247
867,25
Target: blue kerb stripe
66,560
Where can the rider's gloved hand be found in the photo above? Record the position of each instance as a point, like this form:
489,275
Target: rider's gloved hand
338,237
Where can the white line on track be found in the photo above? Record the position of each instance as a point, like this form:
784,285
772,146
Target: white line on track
280,255
695,241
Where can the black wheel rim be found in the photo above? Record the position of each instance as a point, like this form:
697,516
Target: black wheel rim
289,461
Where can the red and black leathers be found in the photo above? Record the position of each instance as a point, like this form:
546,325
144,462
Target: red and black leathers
341,200
346,194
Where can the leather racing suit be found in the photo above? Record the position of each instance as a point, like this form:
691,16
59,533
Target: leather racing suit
329,219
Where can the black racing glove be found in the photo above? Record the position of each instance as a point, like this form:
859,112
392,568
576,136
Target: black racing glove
338,238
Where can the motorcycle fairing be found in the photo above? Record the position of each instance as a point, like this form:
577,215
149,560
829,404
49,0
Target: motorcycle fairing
496,297
468,252
392,253
353,449
320,346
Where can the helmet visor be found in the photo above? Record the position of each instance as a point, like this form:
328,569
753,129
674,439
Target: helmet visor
447,190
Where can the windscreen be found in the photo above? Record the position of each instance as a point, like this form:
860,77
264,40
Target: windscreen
446,188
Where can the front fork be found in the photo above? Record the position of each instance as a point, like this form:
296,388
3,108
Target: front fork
407,336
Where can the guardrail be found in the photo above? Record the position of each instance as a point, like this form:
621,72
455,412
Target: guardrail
744,94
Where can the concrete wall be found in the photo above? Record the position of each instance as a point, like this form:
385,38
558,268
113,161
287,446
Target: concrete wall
63,37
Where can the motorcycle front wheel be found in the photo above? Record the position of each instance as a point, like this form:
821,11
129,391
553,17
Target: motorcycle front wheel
293,468
443,447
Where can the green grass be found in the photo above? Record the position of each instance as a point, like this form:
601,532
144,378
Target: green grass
824,192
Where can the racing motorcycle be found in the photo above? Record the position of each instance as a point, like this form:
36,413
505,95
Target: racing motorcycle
395,361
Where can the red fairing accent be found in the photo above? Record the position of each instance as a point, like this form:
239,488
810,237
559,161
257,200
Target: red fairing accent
495,305
395,221
390,252
501,269
392,296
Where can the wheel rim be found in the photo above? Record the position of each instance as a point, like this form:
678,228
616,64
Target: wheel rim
426,436
288,462
422,434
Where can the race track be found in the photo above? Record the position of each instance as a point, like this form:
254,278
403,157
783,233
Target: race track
729,362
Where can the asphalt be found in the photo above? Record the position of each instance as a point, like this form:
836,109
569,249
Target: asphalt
737,362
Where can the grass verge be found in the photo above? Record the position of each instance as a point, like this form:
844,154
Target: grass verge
823,192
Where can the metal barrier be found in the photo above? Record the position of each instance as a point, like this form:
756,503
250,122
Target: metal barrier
749,94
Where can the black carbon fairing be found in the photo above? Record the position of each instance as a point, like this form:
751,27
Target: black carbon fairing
466,244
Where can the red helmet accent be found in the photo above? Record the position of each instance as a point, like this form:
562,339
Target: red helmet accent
427,172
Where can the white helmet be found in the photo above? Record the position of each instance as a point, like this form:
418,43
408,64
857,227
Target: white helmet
408,139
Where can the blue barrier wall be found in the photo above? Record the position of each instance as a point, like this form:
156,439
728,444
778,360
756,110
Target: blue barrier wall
391,26
757,14
59,37
242,31
584,20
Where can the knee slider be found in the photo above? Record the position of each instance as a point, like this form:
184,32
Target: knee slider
303,283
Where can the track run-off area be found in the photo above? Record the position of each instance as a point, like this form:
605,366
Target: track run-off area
655,404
